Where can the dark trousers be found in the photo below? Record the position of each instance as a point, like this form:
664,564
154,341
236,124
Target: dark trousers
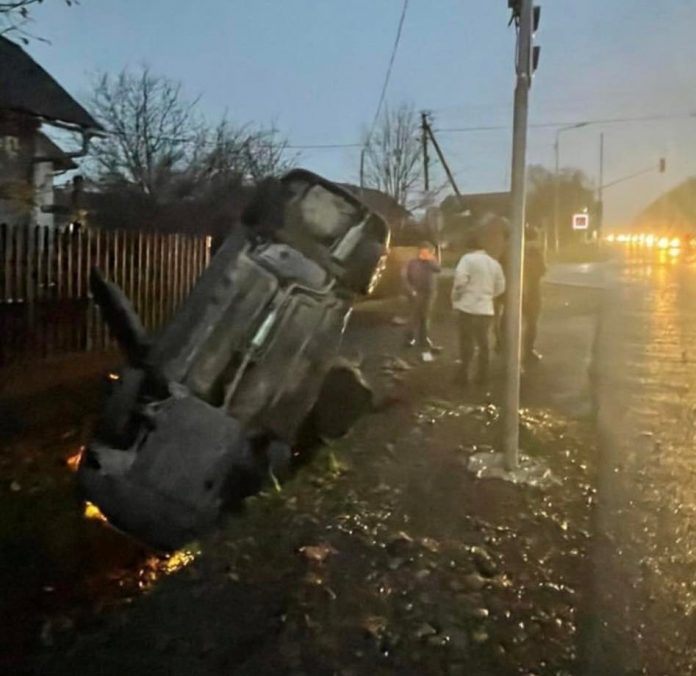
473,334
419,327
531,310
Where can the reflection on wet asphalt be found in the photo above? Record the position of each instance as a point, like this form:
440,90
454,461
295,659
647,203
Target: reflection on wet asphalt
645,557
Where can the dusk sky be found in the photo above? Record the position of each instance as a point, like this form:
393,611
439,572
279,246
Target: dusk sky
315,68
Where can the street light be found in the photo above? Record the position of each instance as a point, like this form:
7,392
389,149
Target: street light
556,197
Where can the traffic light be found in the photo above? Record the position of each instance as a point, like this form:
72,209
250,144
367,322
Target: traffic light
536,50
537,19
527,18
663,165
536,55
515,7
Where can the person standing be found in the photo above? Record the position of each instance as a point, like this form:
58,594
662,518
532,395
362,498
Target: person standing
420,282
534,271
478,281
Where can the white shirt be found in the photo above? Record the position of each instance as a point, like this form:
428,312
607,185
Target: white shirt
478,280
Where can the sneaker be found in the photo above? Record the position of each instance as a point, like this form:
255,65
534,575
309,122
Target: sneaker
410,342
434,348
533,356
427,357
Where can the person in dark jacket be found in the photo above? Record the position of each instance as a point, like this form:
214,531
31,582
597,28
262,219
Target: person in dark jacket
419,277
534,271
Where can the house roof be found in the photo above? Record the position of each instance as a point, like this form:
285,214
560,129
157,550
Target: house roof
462,214
49,151
478,204
26,87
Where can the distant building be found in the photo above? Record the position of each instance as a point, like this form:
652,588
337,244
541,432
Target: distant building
29,160
461,214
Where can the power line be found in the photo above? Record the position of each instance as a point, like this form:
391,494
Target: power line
553,125
256,143
503,127
389,71
322,146
452,130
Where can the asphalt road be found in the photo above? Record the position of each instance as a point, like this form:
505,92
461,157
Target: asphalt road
643,618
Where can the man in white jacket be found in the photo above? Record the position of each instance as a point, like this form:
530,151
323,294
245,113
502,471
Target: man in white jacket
478,281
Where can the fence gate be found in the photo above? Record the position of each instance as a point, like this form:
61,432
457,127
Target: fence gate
45,305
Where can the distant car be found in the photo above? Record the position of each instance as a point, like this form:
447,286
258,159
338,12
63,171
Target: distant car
224,390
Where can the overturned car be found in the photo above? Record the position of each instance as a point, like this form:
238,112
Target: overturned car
246,367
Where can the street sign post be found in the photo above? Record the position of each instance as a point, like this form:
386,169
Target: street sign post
525,15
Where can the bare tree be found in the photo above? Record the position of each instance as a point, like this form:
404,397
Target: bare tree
392,154
162,165
266,154
575,191
244,152
151,130
158,145
15,16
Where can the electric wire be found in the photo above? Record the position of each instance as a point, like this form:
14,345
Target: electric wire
461,130
387,76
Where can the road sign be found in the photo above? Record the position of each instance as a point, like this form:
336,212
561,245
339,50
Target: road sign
581,221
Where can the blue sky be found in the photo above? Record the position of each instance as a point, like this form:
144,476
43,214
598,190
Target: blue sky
315,69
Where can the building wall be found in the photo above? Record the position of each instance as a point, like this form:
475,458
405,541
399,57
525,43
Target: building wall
17,151
43,193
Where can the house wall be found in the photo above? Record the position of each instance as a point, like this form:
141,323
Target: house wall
43,193
17,151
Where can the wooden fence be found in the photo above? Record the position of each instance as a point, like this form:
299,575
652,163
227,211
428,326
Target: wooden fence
45,305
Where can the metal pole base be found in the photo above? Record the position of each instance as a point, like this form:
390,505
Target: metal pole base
529,472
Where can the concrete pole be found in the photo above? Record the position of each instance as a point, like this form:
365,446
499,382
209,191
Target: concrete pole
362,168
424,143
513,296
443,161
557,181
556,196
600,189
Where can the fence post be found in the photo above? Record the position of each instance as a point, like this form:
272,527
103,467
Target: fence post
5,239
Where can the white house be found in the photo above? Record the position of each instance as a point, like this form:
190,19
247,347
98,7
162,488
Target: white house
29,99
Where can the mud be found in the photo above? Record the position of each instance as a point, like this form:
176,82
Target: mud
384,555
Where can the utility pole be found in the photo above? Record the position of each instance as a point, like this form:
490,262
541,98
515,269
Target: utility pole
557,181
600,190
527,17
556,195
424,142
442,159
362,168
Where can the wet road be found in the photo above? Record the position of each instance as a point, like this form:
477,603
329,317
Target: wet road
643,616
642,612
